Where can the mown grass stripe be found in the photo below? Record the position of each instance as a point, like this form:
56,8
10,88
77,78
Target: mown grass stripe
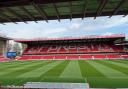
121,61
119,64
95,77
109,81
34,67
106,70
72,70
115,66
53,74
17,64
40,71
88,70
22,69
56,70
13,65
125,60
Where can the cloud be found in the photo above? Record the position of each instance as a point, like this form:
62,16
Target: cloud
76,27
107,33
54,31
103,23
34,33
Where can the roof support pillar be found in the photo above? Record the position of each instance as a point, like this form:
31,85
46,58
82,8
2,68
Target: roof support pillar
6,17
102,5
15,14
40,11
117,8
28,14
70,3
57,12
85,8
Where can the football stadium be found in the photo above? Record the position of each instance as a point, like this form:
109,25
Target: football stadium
84,62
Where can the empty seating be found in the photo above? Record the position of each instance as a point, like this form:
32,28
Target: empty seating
44,49
81,48
125,56
47,57
72,49
53,49
86,57
114,56
99,56
60,57
105,50
25,57
36,57
3,59
63,49
72,57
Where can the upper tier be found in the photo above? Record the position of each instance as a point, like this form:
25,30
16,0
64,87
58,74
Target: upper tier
72,39
75,48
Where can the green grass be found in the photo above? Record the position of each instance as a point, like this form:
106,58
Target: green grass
98,73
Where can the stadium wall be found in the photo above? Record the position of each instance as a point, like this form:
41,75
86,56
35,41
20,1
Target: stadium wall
3,47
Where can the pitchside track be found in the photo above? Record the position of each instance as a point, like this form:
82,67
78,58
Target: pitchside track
98,73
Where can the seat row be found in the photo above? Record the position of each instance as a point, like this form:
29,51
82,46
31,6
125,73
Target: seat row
73,49
73,57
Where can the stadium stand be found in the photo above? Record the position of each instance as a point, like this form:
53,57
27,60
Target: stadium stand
3,59
100,56
90,47
25,57
74,49
86,57
125,56
114,56
59,57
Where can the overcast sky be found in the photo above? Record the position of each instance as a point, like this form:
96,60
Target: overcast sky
67,28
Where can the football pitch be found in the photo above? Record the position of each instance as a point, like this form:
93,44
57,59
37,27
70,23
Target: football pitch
98,73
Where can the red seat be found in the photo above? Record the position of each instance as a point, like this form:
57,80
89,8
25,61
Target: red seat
60,57
87,50
72,57
36,57
99,56
25,57
125,56
114,56
47,57
85,56
3,59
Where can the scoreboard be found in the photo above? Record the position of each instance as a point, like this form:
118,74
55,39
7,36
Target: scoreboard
11,54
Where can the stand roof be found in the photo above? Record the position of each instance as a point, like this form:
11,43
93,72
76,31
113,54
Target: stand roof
34,10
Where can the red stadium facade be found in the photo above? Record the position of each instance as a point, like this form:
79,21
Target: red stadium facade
82,48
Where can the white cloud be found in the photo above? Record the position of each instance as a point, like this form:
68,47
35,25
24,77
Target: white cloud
115,21
36,33
54,30
103,23
107,33
76,27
